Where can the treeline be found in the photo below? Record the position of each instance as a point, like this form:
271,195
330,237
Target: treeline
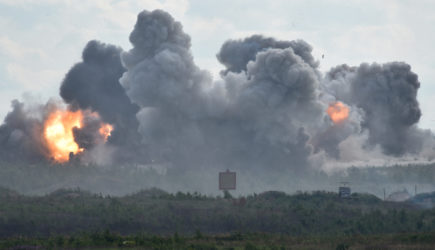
40,178
68,212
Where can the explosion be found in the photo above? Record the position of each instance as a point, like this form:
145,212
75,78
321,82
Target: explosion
106,131
338,112
59,135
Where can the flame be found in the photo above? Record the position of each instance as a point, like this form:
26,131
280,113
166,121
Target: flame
338,112
105,131
58,133
59,136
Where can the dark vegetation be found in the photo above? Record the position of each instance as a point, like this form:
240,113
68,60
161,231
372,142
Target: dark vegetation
155,219
154,211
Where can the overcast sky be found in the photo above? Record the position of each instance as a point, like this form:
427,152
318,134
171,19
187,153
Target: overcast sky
42,39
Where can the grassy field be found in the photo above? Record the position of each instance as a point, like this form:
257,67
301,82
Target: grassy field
107,240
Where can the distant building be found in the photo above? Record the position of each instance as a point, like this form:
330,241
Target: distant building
344,192
399,196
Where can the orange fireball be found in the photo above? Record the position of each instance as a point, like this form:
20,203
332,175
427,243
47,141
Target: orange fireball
58,134
338,112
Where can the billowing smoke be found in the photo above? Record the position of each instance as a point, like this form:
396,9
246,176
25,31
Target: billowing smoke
387,95
235,54
163,80
88,135
20,135
262,115
94,84
268,109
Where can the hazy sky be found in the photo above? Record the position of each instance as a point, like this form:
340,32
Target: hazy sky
42,39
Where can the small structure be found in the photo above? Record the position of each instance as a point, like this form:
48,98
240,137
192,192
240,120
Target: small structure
344,190
399,196
227,180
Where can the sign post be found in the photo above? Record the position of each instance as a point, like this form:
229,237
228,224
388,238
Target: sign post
227,181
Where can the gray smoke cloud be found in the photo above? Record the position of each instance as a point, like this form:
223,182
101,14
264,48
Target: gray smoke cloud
163,80
267,110
261,116
20,136
235,54
276,99
387,95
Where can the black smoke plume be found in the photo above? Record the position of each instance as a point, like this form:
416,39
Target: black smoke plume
94,84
